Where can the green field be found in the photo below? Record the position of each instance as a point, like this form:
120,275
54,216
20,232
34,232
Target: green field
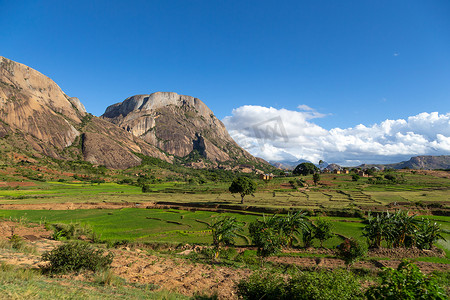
339,193
172,226
335,193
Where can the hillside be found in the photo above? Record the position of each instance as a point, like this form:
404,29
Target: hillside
38,119
181,126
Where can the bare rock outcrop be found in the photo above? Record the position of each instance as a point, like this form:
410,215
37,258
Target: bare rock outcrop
100,151
178,125
38,117
33,104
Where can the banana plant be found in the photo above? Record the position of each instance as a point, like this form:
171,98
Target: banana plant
224,231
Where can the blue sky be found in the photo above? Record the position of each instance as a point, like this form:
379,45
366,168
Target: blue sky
351,62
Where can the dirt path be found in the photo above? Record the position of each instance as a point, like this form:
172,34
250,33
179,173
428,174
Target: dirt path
70,205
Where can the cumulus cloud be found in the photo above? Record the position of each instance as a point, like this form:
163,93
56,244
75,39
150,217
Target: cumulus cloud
281,134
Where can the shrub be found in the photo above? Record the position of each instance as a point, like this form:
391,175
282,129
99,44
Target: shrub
75,256
325,285
62,232
351,251
262,286
339,284
146,188
407,282
16,242
355,177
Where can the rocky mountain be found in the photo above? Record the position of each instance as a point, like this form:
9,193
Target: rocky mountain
179,125
37,117
425,162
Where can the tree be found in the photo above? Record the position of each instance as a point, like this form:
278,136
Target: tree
146,188
244,186
351,251
321,163
322,232
224,230
305,169
355,177
376,229
316,178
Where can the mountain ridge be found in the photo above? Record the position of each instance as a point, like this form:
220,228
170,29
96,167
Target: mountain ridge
177,124
38,118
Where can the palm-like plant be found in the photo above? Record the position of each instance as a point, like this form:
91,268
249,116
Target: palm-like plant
406,227
291,224
267,236
375,229
308,234
224,230
429,233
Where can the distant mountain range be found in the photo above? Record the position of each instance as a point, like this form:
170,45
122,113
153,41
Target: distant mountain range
287,165
425,162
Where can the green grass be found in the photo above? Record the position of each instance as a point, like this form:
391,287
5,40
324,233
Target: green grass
133,224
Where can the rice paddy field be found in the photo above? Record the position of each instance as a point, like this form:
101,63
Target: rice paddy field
418,192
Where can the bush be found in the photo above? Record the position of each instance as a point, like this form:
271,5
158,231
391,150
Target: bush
355,177
338,284
351,251
62,232
407,282
16,242
146,188
75,256
262,286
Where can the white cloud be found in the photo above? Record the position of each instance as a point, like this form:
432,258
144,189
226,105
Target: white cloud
305,107
281,134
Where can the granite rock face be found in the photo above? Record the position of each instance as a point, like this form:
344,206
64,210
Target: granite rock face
178,125
38,117
33,104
